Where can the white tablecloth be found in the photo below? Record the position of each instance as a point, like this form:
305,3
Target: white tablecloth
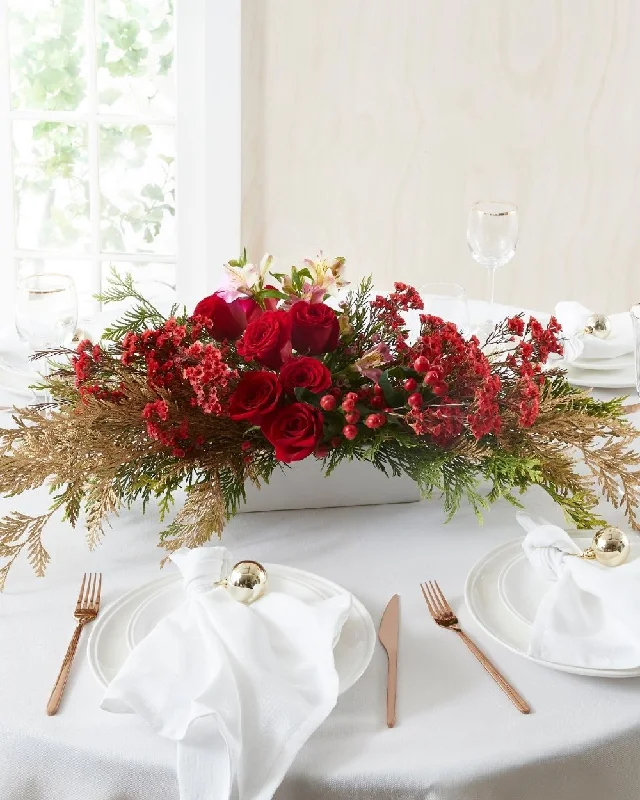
457,736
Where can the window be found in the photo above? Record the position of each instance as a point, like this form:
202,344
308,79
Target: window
118,145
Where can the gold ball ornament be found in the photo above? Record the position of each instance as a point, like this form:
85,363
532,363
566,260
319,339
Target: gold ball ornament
598,325
246,582
610,547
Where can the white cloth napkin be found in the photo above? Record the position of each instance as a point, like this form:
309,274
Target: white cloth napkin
573,317
589,618
239,688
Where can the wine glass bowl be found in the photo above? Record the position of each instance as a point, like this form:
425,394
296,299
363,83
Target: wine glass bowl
46,310
492,232
448,301
492,236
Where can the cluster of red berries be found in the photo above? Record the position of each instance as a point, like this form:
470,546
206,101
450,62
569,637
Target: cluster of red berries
352,416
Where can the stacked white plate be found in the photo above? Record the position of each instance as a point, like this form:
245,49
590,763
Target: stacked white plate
503,593
602,373
125,623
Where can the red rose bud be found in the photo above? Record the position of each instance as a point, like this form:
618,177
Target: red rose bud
256,395
348,405
294,431
314,328
350,432
352,417
321,451
421,364
305,372
228,320
267,339
328,402
415,400
410,385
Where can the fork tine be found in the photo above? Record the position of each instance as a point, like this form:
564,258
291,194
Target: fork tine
79,601
426,599
436,600
87,592
443,599
99,592
93,589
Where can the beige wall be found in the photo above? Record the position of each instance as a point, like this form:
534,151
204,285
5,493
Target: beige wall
369,126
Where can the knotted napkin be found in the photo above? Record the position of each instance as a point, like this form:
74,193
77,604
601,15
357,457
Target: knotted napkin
573,318
239,688
589,617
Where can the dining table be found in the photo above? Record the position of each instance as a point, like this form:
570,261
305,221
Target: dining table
456,736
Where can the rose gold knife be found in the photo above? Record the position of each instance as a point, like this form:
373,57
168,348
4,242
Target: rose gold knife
388,635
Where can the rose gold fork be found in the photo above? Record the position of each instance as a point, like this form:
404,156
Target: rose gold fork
87,608
443,615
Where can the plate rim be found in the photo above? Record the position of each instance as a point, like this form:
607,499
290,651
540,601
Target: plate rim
357,607
601,382
592,672
610,364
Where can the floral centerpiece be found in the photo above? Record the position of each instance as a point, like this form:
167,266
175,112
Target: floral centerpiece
274,369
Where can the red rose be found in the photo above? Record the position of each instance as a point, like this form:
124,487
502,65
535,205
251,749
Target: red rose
267,339
294,431
314,328
306,372
229,319
257,394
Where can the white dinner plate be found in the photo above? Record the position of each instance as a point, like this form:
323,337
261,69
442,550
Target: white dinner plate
603,364
602,379
503,592
130,618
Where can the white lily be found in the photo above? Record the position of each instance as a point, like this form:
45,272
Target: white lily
265,266
240,280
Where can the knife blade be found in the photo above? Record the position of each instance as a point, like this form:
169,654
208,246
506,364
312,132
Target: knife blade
388,635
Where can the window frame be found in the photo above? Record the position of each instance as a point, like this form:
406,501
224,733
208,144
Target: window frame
207,126
209,144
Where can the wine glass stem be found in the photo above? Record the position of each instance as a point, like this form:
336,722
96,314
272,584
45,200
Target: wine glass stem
491,284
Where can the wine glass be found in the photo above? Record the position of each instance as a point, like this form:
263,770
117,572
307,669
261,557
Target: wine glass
446,300
46,311
635,321
492,236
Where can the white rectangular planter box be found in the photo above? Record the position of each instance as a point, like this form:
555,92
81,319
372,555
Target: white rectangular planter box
352,483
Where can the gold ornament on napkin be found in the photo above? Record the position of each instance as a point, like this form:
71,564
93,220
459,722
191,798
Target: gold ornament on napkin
246,582
598,325
610,547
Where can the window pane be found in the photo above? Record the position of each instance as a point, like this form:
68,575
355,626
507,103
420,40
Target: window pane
135,57
51,185
157,282
47,54
80,271
137,188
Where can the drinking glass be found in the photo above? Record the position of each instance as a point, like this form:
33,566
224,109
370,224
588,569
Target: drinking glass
492,236
46,310
446,300
635,321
